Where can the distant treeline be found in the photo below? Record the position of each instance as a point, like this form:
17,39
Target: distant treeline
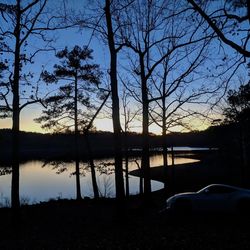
37,145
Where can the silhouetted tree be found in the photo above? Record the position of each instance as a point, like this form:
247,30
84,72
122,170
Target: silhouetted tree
100,20
129,115
68,107
20,23
238,112
152,33
239,104
170,104
113,50
89,148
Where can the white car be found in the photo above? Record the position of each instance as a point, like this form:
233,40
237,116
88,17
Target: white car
213,198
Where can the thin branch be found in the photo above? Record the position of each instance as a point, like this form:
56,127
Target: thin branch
220,34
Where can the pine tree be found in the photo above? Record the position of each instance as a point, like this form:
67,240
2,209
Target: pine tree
66,110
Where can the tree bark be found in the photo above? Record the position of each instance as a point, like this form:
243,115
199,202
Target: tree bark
119,183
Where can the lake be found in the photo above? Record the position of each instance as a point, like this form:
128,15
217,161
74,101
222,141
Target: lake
42,181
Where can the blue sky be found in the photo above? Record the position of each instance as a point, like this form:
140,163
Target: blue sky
70,38
73,37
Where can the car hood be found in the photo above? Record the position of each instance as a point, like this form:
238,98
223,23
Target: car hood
181,195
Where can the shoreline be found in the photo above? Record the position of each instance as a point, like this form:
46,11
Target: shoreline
64,155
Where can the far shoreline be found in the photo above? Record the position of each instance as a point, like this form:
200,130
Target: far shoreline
68,155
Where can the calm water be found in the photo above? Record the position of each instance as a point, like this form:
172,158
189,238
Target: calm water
41,182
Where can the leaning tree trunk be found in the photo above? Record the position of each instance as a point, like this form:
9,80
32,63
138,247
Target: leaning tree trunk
119,183
89,149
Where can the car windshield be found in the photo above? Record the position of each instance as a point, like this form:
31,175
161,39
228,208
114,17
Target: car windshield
217,189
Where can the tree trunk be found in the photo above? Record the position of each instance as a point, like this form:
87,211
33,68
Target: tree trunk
164,132
78,184
15,200
89,149
119,183
92,167
126,164
145,166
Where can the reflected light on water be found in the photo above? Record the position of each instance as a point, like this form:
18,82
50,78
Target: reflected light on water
41,183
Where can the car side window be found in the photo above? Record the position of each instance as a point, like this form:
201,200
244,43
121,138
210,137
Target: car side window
219,190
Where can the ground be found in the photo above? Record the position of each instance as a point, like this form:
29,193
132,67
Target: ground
104,224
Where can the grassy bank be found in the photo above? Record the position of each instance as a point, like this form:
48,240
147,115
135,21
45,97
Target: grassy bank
99,225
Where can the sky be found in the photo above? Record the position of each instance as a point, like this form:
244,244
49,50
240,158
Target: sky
70,38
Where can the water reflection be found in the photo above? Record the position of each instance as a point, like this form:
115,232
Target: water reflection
41,182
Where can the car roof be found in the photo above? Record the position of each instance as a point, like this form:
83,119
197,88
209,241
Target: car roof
227,186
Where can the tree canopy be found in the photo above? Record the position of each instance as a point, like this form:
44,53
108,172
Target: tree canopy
238,109
77,79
